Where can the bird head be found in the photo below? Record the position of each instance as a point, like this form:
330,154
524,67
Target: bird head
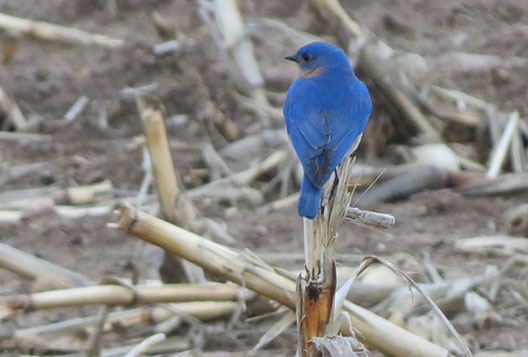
320,56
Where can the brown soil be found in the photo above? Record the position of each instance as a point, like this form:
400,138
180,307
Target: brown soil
46,78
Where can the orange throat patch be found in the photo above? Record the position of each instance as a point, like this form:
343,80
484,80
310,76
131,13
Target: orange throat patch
310,74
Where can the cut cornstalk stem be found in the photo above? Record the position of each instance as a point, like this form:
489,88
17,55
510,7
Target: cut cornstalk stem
175,205
241,178
315,293
78,195
118,295
337,11
498,155
146,344
202,310
53,32
161,159
247,270
10,216
316,289
74,212
9,136
12,111
32,267
76,109
74,195
370,218
95,339
242,268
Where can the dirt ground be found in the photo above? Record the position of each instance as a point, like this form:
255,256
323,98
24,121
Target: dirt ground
46,78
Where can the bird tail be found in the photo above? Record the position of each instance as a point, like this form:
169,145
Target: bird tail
309,199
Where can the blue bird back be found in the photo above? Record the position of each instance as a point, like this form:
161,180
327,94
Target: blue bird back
325,111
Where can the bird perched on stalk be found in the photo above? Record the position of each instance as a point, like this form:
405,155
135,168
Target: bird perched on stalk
325,111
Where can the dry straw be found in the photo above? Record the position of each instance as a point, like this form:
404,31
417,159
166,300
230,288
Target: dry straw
246,269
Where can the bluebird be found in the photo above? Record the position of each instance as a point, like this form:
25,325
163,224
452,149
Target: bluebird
325,111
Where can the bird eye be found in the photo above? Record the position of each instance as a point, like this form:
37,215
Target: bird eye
306,57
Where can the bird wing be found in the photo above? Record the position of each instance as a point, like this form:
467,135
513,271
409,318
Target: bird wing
345,126
347,122
321,137
308,129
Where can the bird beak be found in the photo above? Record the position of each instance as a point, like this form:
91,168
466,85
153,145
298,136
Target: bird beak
292,58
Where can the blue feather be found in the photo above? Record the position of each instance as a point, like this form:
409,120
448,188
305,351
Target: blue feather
309,199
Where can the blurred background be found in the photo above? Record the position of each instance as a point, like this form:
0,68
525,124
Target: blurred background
445,151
